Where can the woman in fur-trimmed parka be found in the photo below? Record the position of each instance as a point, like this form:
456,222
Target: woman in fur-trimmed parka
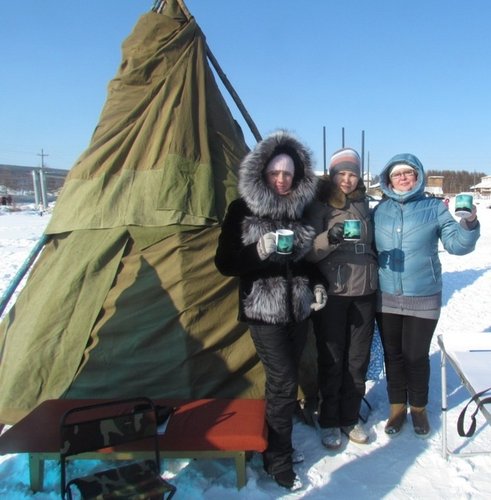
277,292
344,328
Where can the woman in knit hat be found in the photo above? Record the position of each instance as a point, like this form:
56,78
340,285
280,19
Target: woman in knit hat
277,292
408,227
344,328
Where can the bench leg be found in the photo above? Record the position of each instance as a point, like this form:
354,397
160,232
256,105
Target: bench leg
240,467
36,472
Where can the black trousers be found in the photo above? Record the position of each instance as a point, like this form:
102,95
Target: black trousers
279,348
344,332
406,341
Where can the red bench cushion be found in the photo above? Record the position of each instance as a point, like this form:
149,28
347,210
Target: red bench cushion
217,424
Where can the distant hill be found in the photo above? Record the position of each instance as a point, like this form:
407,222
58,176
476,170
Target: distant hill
17,178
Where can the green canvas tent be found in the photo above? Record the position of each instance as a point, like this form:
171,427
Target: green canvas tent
125,299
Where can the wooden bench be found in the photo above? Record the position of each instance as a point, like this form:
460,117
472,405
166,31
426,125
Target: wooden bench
205,428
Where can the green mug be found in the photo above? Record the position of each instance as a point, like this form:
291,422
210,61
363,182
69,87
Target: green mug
352,230
463,205
284,241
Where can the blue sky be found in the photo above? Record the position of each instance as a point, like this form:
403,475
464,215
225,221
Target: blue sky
414,75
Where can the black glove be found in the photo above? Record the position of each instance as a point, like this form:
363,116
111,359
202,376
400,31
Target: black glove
335,234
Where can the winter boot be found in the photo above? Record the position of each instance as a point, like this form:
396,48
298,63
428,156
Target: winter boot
356,433
420,421
397,417
297,457
288,479
330,437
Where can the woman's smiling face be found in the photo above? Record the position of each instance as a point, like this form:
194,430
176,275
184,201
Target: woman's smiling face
346,181
403,179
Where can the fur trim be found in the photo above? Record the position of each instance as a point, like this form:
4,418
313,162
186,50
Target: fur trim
328,192
268,300
260,198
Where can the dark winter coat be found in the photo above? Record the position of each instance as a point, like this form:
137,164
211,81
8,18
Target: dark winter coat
279,289
349,267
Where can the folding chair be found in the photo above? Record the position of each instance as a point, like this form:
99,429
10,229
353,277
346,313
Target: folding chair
94,427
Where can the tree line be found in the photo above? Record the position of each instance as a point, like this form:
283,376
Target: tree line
457,181
454,181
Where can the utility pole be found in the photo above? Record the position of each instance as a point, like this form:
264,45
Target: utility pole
42,181
42,155
363,154
368,170
324,145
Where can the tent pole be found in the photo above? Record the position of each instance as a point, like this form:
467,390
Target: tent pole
235,97
158,7
21,272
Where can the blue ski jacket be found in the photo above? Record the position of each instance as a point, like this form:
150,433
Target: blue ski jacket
408,227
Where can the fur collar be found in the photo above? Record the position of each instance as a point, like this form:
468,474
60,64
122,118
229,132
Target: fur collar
259,197
328,192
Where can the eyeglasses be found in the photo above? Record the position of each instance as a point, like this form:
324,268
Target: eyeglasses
405,173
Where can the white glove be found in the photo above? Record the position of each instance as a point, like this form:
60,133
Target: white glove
473,216
320,295
470,222
266,245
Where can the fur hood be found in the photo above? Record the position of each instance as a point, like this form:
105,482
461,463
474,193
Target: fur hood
259,197
328,192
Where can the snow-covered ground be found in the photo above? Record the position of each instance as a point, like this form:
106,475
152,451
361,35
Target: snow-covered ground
400,468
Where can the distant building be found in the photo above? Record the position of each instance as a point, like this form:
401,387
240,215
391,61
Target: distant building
374,190
16,178
30,184
434,186
483,188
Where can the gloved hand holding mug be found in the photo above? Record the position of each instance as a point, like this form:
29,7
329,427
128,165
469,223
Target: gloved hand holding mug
335,234
266,245
320,295
473,216
470,222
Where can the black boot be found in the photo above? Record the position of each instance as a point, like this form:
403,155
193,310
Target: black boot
288,479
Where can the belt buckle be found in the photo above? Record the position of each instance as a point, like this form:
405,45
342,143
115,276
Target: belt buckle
359,248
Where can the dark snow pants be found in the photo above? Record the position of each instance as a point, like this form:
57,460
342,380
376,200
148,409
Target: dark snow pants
279,348
344,332
406,341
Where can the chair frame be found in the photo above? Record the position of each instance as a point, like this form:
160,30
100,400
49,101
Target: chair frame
88,418
446,356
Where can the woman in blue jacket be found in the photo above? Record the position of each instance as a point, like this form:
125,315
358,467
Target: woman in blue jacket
408,227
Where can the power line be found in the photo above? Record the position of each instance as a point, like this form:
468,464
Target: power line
42,155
